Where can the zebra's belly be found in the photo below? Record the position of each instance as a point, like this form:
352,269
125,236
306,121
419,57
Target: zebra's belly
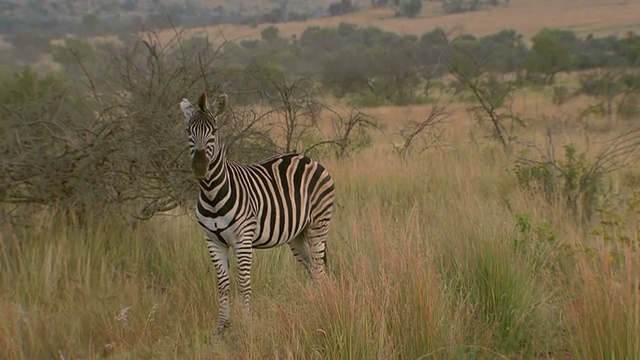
271,240
270,231
273,233
226,230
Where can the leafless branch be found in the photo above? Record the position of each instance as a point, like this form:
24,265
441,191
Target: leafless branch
427,129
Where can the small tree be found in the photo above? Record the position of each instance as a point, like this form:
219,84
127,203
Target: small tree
494,96
269,33
426,131
629,105
341,8
411,8
549,55
295,109
604,85
74,53
350,132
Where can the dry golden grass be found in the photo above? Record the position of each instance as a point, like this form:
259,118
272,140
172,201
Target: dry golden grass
422,251
423,258
600,17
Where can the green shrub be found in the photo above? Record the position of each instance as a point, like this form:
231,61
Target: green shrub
576,180
411,8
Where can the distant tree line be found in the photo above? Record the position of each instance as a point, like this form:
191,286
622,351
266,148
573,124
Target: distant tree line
60,17
374,66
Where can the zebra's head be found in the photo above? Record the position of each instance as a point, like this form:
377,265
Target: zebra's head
202,127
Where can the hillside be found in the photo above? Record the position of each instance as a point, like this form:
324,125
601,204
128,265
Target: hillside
600,17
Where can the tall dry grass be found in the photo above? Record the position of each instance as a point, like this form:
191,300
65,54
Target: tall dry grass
426,258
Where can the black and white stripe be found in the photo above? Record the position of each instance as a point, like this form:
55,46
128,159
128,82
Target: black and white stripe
285,199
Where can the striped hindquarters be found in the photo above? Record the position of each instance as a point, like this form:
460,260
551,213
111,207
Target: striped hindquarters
285,193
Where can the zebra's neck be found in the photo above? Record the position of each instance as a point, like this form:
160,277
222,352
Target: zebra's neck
217,173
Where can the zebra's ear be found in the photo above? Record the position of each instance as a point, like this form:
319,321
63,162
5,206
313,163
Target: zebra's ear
202,101
220,104
187,108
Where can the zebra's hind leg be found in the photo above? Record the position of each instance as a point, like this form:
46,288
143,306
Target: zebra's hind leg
298,247
316,238
220,257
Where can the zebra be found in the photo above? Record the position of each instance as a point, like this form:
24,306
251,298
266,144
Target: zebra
285,199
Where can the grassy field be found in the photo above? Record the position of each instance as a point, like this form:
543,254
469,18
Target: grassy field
439,256
600,17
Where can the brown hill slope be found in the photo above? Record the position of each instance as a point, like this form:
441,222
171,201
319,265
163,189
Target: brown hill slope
601,17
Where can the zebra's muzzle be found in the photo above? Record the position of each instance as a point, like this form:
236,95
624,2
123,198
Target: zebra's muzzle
200,164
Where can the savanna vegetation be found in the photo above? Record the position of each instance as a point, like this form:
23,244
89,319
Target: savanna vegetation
488,196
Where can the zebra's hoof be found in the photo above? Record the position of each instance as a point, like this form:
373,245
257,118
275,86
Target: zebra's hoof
220,329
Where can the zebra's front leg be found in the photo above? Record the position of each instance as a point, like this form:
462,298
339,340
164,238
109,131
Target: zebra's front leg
244,256
220,256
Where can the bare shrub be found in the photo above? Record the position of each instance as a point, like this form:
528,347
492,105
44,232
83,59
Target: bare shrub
494,95
575,177
294,109
425,133
350,133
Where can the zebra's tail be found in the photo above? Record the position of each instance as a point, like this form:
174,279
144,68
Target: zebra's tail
324,256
